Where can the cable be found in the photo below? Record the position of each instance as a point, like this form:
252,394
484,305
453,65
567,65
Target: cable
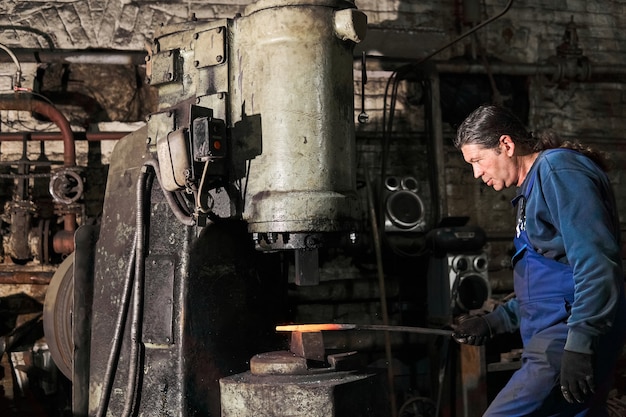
200,207
181,213
18,73
134,286
469,32
118,332
135,328
38,32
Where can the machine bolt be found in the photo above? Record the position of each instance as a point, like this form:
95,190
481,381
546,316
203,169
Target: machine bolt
196,36
196,64
219,58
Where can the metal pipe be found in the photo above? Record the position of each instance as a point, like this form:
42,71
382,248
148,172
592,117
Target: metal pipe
103,57
438,177
63,242
48,136
22,102
450,67
503,68
547,69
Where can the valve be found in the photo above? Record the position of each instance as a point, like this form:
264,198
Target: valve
66,186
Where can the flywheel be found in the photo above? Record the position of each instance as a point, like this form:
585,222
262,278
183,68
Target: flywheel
57,316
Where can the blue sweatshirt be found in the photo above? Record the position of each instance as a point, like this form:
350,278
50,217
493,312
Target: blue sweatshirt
571,217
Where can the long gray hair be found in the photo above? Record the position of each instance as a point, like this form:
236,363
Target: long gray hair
485,125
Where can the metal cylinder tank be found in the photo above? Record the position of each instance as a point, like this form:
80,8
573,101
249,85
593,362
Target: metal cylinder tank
296,74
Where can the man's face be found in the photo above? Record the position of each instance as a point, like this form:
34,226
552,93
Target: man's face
494,166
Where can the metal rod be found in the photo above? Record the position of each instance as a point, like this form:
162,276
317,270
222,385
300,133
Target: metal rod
348,326
376,235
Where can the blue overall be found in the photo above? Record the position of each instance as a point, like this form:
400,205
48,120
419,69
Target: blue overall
544,290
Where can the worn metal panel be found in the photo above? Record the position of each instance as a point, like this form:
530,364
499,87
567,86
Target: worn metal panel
159,289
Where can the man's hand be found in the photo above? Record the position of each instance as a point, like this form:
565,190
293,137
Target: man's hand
473,331
577,380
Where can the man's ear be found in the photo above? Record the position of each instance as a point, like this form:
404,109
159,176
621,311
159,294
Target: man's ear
507,145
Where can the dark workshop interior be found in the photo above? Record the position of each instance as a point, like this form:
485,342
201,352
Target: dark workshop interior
167,213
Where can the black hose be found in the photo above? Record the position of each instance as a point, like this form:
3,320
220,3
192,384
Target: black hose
118,332
181,214
135,328
135,282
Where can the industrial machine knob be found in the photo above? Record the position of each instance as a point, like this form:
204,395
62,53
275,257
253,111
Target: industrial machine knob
66,186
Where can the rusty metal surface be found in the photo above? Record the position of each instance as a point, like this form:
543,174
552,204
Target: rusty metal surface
18,276
219,288
338,394
278,363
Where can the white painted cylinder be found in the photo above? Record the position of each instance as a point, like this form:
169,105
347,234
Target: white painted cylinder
294,70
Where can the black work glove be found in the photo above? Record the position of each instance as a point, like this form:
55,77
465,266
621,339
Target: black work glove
473,331
577,376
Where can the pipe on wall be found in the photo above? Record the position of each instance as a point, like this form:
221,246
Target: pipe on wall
98,57
51,136
24,102
63,241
